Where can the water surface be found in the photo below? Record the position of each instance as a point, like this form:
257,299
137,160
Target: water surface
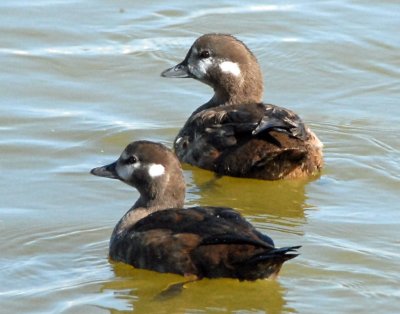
80,79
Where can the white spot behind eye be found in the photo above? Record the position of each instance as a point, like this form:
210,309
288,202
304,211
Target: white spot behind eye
230,67
156,170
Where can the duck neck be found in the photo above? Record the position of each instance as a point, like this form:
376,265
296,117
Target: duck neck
237,91
172,196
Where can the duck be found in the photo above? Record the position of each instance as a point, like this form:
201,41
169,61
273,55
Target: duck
235,133
159,234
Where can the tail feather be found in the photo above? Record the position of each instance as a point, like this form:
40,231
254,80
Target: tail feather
266,264
279,255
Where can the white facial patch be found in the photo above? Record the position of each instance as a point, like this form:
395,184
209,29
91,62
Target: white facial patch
230,68
156,170
125,171
199,68
178,140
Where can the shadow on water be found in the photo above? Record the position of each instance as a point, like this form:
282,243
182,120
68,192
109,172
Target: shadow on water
140,292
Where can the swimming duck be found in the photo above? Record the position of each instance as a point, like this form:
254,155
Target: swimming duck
157,233
234,133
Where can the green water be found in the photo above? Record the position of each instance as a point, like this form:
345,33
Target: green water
80,79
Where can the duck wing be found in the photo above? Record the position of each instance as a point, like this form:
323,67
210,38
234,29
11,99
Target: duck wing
204,241
249,140
213,225
281,119
248,118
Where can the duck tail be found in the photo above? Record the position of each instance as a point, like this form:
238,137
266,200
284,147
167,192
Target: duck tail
267,264
279,254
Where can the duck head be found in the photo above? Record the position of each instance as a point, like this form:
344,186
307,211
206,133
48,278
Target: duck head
153,170
224,63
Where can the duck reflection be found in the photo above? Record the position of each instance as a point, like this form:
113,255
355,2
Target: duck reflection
139,291
283,202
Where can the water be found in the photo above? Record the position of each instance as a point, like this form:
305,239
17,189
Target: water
80,79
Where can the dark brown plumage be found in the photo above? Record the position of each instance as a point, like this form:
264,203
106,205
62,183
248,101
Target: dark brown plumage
234,133
158,234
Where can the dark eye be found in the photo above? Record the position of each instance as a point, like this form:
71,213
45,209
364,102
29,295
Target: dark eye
131,160
204,54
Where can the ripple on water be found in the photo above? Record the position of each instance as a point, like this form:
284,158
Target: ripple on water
78,83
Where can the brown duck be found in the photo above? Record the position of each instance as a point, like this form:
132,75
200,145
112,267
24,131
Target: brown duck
234,133
157,233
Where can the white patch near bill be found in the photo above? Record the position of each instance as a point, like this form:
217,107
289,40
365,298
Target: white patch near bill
125,171
156,170
199,68
230,67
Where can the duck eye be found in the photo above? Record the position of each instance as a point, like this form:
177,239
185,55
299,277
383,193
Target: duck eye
204,54
131,160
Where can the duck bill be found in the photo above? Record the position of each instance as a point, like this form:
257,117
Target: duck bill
108,171
181,70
